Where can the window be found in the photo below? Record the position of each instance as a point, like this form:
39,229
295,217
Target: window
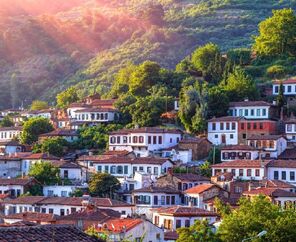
124,139
149,169
216,136
231,136
141,139
292,175
240,112
112,140
50,193
258,112
171,140
154,140
155,200
254,125
63,193
156,220
283,175
241,172
178,223
249,125
162,200
155,170
159,140
99,169
238,189
168,224
213,126
233,172
62,212
242,126
73,210
135,139
276,89
119,170
289,88
141,168
246,112
125,170
227,126
113,169
43,210
168,200
257,172
289,127
107,169
187,223
233,126
252,112
50,210
264,112
221,126
275,175
149,140
118,139
173,200
249,172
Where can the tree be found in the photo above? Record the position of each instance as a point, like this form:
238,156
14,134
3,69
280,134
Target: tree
77,193
240,86
103,185
193,107
53,146
64,99
208,60
45,173
277,34
6,122
222,208
256,215
123,105
205,169
240,56
218,102
39,105
280,99
33,127
201,231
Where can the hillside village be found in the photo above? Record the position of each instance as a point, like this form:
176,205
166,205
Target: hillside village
161,153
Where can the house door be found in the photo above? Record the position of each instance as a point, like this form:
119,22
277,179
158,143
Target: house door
223,139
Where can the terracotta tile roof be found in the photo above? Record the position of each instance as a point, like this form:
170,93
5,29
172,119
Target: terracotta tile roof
99,215
15,181
277,184
270,192
152,130
103,102
282,163
18,128
233,201
65,164
193,140
249,104
288,81
78,105
157,189
41,156
71,201
290,121
125,160
117,152
224,176
10,143
43,233
15,156
265,137
171,235
288,154
182,211
241,164
60,132
238,147
226,118
190,177
119,225
32,216
200,188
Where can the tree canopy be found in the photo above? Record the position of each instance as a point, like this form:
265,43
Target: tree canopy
39,105
67,97
6,122
277,34
53,146
103,184
33,127
45,173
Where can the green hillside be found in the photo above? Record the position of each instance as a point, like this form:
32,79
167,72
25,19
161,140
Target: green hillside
85,44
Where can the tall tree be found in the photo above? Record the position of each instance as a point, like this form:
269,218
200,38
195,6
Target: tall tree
45,173
280,99
33,127
67,97
103,184
277,34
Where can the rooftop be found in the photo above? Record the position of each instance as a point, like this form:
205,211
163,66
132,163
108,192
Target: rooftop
287,81
157,189
288,154
32,216
92,110
238,147
225,119
200,188
60,132
65,233
189,177
282,163
250,104
182,211
153,130
118,225
15,181
41,156
11,128
270,192
241,164
265,137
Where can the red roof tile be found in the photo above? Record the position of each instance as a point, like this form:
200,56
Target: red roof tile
288,81
226,118
41,156
270,192
282,163
241,164
182,211
120,225
15,181
153,130
200,188
60,132
265,137
238,147
32,216
157,189
249,104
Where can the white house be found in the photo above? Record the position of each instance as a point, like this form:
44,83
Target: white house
144,141
16,186
290,129
288,85
10,133
224,130
37,113
96,115
153,197
269,146
172,218
10,147
61,190
239,152
252,109
67,134
10,165
283,170
62,205
123,166
197,195
242,169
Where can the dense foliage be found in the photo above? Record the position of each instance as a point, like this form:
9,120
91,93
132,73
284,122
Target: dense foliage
45,173
103,185
53,146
